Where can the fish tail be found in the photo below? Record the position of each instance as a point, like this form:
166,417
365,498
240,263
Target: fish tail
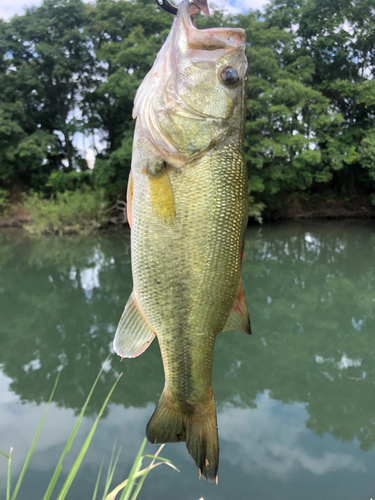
173,423
167,424
202,440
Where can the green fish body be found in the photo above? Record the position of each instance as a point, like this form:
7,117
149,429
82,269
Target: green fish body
188,208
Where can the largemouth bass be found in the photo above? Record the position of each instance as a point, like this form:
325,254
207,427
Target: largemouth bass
188,210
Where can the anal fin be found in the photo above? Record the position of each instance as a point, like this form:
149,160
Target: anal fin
238,319
133,334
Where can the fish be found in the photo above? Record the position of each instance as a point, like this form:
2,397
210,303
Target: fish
187,204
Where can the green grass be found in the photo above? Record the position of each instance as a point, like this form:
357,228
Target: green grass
81,211
129,488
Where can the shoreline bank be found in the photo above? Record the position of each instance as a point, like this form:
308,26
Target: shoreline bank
299,209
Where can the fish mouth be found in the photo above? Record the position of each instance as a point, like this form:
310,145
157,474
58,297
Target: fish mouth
195,7
207,39
211,39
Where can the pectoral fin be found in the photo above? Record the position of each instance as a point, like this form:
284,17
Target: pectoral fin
129,199
133,334
238,319
162,198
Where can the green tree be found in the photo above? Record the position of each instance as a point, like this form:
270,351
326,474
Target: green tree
126,37
69,67
23,145
51,66
339,38
290,130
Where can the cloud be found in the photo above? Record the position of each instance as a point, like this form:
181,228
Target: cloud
9,8
273,445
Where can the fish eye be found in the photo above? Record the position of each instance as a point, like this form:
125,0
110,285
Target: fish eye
230,75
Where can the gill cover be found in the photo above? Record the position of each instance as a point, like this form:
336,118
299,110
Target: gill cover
183,105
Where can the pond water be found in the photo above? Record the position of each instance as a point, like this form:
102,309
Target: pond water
295,401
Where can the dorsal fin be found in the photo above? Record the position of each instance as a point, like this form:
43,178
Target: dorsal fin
133,334
238,319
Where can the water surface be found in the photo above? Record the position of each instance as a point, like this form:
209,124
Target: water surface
295,401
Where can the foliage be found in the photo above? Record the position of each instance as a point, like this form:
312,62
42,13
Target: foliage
4,200
71,68
22,150
367,153
49,65
338,40
69,212
112,173
126,36
75,180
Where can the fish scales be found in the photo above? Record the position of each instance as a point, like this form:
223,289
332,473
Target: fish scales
188,202
190,292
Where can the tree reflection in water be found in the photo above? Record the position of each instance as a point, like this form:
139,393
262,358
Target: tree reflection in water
311,295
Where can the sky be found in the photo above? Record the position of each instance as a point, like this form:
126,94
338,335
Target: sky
8,8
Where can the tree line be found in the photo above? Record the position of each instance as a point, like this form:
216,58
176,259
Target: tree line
68,67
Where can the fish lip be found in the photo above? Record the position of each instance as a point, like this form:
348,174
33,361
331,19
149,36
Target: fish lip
194,8
207,39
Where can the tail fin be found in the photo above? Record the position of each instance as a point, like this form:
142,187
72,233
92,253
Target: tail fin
171,423
167,424
202,441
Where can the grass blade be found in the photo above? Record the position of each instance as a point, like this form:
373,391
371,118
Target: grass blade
112,495
97,482
8,478
5,454
58,468
28,457
142,473
147,470
158,458
143,478
110,472
126,492
73,471
140,484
